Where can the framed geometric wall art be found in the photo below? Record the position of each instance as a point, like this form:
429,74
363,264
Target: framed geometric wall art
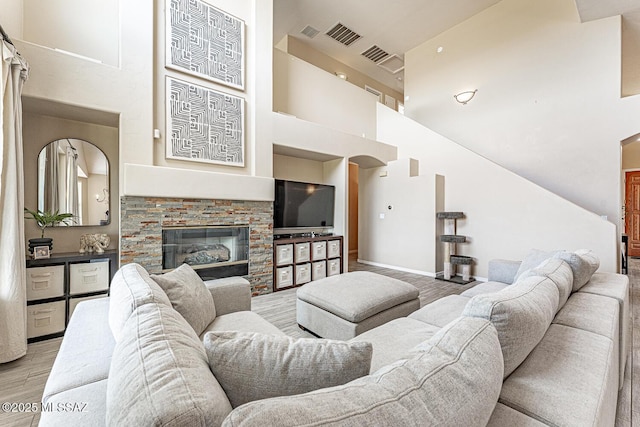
205,41
204,125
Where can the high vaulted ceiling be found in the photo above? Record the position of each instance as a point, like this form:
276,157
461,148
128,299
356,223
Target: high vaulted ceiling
400,25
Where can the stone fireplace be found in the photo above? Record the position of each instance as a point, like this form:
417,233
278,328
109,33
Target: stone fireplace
146,219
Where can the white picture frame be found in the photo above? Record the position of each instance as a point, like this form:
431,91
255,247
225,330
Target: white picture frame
203,124
205,41
41,252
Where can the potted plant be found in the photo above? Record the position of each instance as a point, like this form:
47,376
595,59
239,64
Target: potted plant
43,220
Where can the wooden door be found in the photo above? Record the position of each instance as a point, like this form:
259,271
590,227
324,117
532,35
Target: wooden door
632,211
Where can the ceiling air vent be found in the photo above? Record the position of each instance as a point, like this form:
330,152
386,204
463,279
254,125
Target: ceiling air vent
342,34
375,54
392,64
309,31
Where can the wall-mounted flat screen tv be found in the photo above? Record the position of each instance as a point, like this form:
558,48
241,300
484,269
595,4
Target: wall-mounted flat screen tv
303,205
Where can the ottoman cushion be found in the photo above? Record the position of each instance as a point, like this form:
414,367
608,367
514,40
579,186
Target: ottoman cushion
358,295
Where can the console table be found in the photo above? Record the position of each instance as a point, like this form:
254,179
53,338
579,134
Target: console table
57,284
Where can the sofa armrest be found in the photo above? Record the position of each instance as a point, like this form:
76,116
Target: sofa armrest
230,294
503,270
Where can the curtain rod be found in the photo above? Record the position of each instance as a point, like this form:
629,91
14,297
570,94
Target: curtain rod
5,36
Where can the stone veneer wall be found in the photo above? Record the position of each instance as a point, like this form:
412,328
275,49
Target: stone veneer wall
142,220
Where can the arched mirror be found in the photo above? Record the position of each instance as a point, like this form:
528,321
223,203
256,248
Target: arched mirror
73,177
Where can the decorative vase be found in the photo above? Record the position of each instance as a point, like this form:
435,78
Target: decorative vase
40,241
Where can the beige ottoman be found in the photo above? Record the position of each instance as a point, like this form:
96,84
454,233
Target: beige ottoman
343,306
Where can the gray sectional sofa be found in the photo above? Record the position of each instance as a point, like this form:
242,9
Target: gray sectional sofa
544,345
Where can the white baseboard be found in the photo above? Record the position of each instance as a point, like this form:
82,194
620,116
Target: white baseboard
409,270
394,267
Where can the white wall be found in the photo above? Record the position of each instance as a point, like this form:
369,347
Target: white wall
38,131
88,28
506,215
258,18
11,20
126,90
312,94
548,105
297,169
397,236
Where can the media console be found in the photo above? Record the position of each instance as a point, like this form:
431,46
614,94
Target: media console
299,260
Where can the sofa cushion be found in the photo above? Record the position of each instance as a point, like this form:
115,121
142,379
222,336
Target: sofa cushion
503,416
559,272
85,406
131,288
242,321
590,258
441,311
484,288
593,313
393,340
569,379
85,352
581,265
521,313
454,380
160,374
189,296
274,365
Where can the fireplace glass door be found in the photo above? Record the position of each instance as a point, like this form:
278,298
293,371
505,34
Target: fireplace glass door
214,252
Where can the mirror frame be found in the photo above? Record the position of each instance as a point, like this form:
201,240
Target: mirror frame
41,177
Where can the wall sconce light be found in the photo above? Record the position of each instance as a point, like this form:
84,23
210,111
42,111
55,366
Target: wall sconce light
341,75
464,97
104,198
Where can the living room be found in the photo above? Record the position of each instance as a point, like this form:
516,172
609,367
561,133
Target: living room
538,127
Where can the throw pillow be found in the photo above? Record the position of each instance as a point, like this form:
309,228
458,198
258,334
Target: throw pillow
521,313
591,259
189,296
559,272
252,366
160,376
455,382
534,258
581,268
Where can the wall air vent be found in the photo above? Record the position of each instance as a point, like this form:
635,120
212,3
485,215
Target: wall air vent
375,54
343,35
309,31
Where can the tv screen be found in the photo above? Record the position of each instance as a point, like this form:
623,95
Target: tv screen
302,204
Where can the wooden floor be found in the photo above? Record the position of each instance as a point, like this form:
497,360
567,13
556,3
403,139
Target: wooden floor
22,381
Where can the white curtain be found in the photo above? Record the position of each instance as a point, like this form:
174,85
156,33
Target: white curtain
71,183
13,310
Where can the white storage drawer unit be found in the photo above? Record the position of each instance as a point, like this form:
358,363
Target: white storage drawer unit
284,254
45,282
333,267
88,277
303,273
319,250
284,277
319,270
44,319
303,252
333,248
55,285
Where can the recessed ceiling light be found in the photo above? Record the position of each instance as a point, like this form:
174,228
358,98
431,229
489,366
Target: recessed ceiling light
400,78
341,75
439,49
